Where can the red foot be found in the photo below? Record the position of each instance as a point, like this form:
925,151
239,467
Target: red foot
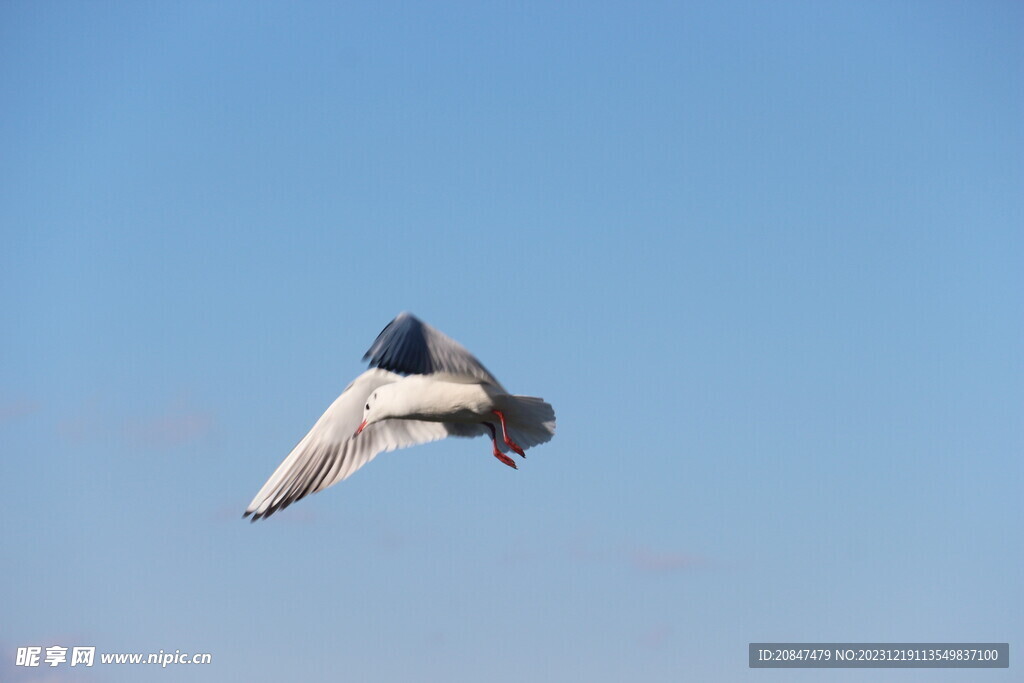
504,458
497,451
508,442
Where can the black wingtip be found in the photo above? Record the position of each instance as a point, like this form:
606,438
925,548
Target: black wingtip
397,319
401,347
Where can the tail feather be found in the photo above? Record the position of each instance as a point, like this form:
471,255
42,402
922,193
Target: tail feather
530,420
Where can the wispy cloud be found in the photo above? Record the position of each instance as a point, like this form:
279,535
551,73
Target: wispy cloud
36,674
175,425
656,637
641,557
17,409
586,550
660,561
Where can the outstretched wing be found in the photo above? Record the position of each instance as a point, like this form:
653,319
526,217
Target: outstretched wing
330,452
409,346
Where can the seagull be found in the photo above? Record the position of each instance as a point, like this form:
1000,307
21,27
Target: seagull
422,386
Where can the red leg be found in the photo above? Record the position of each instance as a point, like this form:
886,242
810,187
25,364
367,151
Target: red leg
508,442
497,452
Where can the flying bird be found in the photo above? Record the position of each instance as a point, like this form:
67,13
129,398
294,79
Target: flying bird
422,386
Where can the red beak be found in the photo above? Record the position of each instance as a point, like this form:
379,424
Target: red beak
361,427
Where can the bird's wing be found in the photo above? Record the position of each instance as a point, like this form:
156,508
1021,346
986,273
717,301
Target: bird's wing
330,452
409,346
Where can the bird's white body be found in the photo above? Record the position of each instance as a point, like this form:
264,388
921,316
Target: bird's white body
422,397
425,387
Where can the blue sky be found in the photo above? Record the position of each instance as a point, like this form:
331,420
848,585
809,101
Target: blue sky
763,258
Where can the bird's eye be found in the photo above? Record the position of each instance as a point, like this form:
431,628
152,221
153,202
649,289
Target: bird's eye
367,406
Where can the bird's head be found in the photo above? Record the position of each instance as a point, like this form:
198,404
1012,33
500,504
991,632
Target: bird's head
375,409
